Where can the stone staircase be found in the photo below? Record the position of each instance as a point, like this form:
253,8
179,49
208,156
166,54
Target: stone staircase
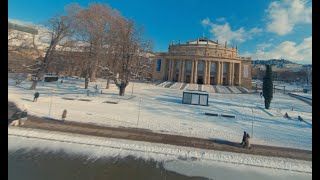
222,89
193,87
207,88
242,89
168,85
176,85
183,86
234,89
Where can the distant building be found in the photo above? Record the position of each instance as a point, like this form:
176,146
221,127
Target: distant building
203,61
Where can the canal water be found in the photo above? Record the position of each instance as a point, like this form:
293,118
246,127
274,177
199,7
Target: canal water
38,159
37,164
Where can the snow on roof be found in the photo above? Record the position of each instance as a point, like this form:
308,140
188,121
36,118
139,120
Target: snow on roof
196,92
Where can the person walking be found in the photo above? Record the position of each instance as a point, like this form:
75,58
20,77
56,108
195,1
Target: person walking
247,142
243,138
64,114
36,95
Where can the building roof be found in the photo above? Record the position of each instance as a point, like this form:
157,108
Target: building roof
203,40
22,28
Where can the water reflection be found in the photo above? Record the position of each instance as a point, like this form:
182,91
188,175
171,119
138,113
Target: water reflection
37,164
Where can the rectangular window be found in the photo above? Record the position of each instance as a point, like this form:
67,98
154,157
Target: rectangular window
195,99
245,71
158,64
203,100
187,98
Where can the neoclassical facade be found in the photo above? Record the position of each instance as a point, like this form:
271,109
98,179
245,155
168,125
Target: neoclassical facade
203,61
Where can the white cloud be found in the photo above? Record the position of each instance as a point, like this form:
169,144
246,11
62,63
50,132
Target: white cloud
221,19
205,22
286,50
255,30
284,15
224,32
263,46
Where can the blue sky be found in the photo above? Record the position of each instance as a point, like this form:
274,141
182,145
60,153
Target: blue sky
262,29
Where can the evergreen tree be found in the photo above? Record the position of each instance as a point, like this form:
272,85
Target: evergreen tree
267,87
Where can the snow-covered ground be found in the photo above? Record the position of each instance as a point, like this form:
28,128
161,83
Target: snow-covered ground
184,160
161,110
303,95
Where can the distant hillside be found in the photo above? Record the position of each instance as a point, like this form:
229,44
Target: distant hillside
276,62
22,28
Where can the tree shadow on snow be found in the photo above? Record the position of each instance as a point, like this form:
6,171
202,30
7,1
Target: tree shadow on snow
171,100
225,142
26,99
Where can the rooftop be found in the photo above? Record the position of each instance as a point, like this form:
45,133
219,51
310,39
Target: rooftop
203,40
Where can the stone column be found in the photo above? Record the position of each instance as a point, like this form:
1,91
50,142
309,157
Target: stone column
240,74
209,69
195,71
232,74
169,71
173,72
221,73
180,70
205,72
183,70
218,72
229,73
192,71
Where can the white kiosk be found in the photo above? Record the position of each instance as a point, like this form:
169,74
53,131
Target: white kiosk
195,98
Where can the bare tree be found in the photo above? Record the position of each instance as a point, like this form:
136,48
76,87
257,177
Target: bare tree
110,42
57,30
92,27
129,47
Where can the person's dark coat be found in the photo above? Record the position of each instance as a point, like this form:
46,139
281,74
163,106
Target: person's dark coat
64,114
244,137
36,95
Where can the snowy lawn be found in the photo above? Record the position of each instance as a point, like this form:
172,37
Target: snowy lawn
161,110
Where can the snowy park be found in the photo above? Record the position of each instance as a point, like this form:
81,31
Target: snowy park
148,106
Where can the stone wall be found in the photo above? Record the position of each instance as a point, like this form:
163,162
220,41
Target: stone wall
246,81
159,75
211,50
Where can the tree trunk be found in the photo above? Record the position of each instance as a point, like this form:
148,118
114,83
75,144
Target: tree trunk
93,76
108,83
34,85
122,89
86,83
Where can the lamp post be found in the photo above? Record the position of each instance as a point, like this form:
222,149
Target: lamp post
132,88
139,112
50,103
252,123
57,84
